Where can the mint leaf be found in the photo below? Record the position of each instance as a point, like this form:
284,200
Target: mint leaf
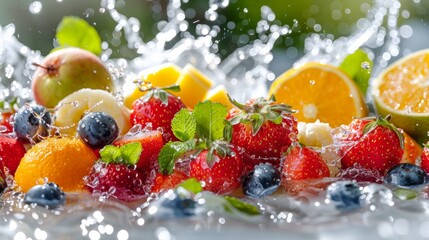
358,66
170,152
76,32
241,206
110,154
184,125
131,152
192,185
210,118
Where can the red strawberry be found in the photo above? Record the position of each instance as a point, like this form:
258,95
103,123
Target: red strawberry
157,107
223,176
118,180
304,163
151,142
425,158
304,172
6,122
263,129
8,109
11,152
372,143
164,182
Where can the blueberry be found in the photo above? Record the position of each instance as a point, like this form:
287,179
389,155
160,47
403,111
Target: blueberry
262,181
406,175
346,195
98,129
47,195
180,201
32,122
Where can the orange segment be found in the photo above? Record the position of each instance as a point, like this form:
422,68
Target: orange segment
320,92
402,91
160,76
65,161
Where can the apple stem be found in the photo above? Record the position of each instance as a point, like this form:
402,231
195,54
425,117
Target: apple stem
50,69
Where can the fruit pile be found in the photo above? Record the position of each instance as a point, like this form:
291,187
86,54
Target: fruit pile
173,127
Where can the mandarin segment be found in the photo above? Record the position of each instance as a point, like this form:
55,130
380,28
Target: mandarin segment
65,161
320,92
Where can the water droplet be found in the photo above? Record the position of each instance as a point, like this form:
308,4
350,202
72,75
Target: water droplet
35,7
9,71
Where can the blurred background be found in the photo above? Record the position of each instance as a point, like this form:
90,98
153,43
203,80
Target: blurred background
36,21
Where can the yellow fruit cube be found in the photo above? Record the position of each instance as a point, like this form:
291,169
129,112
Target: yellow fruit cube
194,85
163,75
219,95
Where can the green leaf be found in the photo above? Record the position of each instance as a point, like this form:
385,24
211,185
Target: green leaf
184,125
405,194
192,185
131,152
210,118
241,206
170,152
358,66
76,32
110,154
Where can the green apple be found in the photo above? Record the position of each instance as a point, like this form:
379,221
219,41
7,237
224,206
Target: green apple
67,70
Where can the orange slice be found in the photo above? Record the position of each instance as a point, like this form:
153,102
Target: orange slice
402,91
320,92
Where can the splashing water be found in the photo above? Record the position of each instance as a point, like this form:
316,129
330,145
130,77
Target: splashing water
248,68
371,33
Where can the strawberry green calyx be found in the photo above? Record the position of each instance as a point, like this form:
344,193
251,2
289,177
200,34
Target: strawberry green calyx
219,148
383,122
257,112
158,93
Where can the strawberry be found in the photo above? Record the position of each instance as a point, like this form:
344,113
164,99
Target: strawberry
304,163
115,173
11,152
121,181
157,107
224,174
425,158
263,129
8,109
164,182
304,171
202,152
6,122
151,142
372,143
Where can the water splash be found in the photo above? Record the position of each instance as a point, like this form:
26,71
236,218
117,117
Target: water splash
15,65
378,32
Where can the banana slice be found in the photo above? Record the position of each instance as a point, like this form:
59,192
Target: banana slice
73,107
316,134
